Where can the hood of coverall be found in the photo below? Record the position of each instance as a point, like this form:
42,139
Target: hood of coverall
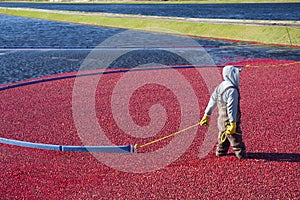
232,74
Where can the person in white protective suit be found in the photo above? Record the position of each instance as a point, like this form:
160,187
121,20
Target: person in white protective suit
227,97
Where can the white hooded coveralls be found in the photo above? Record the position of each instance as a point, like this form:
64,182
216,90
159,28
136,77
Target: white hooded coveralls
227,97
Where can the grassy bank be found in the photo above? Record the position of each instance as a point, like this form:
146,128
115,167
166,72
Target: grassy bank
250,33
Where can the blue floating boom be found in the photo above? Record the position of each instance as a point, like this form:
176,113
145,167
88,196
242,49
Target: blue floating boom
99,149
31,144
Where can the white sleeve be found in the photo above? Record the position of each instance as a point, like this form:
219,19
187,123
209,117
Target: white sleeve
232,98
212,103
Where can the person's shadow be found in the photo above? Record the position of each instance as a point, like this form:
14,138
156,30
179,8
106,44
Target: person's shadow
279,157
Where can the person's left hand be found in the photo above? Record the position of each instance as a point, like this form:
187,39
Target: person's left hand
231,129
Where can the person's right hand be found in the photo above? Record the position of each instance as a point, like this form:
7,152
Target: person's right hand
205,120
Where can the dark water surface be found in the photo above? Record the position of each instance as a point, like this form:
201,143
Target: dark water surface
31,48
264,11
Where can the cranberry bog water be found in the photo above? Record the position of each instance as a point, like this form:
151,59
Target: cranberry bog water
37,106
42,113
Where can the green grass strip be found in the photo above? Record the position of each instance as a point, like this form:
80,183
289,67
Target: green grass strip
249,33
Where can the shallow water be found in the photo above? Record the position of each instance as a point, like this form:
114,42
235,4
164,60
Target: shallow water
31,48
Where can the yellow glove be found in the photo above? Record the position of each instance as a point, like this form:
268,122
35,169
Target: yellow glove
231,129
205,120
